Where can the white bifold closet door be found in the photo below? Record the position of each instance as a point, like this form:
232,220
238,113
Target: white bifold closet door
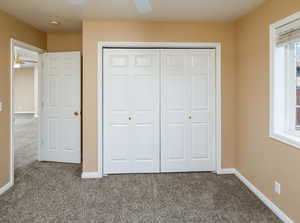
159,110
188,109
131,111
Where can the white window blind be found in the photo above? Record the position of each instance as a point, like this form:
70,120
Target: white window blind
288,33
292,36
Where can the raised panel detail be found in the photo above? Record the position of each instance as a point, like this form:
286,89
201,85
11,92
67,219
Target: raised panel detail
53,134
200,92
52,92
53,65
175,61
201,63
143,61
175,141
68,100
175,93
119,61
200,141
68,66
70,137
144,142
120,134
143,93
119,91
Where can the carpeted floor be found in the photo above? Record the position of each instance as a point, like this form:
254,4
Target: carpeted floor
26,140
54,192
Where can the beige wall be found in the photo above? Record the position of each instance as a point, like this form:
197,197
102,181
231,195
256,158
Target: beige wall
11,28
245,87
94,31
58,42
259,158
24,90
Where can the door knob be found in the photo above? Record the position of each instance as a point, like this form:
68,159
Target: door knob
129,118
76,113
190,117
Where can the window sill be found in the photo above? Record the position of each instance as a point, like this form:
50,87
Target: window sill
291,140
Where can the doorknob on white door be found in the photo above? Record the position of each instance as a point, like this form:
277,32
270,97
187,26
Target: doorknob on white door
190,117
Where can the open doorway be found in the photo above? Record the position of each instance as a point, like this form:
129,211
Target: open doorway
25,115
45,107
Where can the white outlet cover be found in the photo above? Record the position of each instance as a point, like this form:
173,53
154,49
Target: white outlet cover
1,107
277,187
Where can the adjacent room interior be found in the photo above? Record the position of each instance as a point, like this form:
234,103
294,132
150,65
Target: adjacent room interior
150,111
25,107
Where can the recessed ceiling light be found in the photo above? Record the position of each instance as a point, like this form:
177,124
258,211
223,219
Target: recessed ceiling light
143,6
54,22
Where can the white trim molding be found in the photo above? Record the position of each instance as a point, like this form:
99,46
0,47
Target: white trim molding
273,207
158,45
5,188
226,171
90,175
280,214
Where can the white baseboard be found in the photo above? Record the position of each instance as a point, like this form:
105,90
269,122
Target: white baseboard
90,175
226,171
279,213
5,188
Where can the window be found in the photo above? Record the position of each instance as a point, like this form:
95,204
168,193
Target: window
297,71
292,61
285,80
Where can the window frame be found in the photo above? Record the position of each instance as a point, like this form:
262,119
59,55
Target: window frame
291,86
282,107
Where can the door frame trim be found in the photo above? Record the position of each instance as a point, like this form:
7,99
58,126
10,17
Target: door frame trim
159,45
18,43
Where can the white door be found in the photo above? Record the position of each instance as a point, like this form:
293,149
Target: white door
131,111
61,106
188,105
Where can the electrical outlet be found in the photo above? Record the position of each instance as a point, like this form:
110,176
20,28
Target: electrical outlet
277,187
1,108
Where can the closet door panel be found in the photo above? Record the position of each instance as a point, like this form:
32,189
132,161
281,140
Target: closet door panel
187,110
131,111
174,109
201,76
117,109
146,110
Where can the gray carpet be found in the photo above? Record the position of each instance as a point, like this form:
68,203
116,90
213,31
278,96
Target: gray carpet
54,192
26,140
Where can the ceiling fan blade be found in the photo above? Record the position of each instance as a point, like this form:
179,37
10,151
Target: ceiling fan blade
143,6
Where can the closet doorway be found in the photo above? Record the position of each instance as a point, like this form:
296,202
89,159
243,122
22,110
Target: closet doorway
160,109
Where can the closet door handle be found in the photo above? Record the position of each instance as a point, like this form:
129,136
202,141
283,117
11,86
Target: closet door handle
129,118
190,117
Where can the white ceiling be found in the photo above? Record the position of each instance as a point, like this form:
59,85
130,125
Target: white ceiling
71,12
